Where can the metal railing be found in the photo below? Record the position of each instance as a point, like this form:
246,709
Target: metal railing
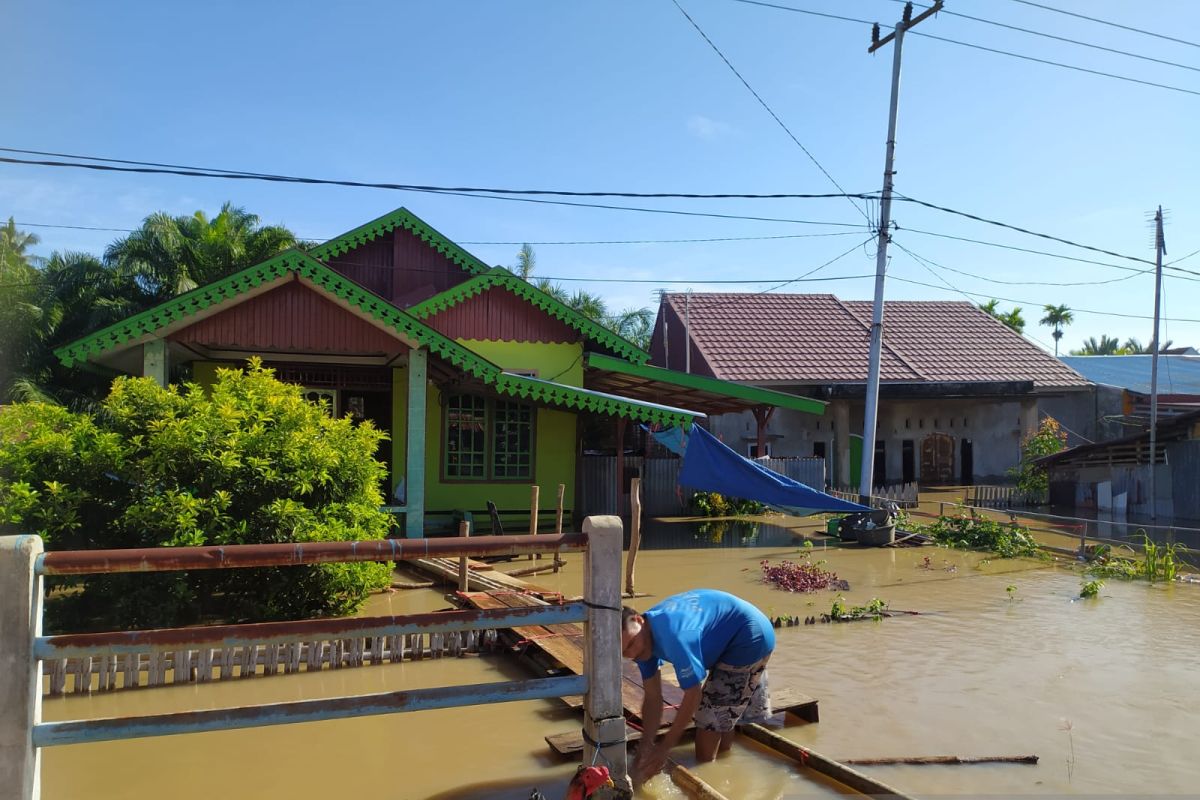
23,565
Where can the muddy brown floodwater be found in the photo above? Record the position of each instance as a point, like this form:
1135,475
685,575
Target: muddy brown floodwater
1105,691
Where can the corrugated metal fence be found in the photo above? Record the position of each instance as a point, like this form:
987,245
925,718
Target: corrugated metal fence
661,493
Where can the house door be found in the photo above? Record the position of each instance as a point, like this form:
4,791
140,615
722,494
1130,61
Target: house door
937,459
908,461
966,462
376,407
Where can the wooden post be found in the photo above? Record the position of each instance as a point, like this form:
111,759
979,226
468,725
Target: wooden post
826,766
558,519
635,531
535,495
21,673
604,717
692,784
464,530
618,501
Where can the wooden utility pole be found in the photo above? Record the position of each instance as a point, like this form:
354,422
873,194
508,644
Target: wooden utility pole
1160,248
871,410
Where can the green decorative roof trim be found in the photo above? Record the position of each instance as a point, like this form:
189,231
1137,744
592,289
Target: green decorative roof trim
400,218
292,261
548,392
702,383
498,276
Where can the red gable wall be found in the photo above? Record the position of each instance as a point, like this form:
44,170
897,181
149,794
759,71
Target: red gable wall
499,315
292,318
400,268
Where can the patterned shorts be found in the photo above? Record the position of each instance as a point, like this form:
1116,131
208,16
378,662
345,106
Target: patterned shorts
732,695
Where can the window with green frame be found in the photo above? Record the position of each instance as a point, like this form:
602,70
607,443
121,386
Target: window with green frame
488,439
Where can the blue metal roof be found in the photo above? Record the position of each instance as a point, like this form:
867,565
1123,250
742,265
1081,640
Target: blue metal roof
1176,374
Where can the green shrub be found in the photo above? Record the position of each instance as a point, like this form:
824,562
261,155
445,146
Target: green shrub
1159,562
1091,588
712,504
1032,480
969,531
248,462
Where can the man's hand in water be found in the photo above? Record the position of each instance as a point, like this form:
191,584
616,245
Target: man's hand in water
651,759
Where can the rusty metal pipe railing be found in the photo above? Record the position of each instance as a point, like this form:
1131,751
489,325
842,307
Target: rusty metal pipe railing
102,730
167,559
80,645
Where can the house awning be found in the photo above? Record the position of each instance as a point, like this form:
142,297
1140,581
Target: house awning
713,396
549,392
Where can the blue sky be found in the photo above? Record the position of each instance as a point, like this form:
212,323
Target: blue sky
624,95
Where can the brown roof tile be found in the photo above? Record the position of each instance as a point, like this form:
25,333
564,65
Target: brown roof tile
817,338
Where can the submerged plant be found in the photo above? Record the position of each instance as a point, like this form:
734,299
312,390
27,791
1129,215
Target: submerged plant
973,532
838,612
1091,588
1066,725
1159,562
1012,591
793,576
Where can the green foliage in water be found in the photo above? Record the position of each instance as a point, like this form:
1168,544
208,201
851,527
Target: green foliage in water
872,610
1031,479
1091,588
970,531
712,504
1159,562
250,462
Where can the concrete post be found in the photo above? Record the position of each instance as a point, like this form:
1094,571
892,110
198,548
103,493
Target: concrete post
154,361
841,438
20,674
604,713
414,472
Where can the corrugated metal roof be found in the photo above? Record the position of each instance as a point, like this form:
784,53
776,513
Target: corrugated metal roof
1176,374
817,338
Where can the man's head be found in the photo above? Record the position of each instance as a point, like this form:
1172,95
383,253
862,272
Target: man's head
636,640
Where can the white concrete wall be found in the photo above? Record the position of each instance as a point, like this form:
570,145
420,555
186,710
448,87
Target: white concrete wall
994,428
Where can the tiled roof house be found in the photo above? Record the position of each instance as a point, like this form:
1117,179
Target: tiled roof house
958,388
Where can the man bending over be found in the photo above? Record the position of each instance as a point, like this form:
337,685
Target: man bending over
702,633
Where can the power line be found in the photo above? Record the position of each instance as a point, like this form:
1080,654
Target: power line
987,279
1106,22
769,110
1045,35
997,51
174,169
1048,62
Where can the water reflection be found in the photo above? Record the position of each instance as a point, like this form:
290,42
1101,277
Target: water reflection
689,534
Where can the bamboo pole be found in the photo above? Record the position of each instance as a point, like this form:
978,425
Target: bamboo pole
464,530
692,784
533,516
826,766
558,519
942,760
635,531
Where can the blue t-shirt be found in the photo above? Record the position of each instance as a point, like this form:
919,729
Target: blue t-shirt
696,630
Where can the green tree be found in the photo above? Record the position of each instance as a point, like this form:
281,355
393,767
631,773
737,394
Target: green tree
1134,347
1106,346
1057,318
248,462
526,262
169,255
1031,479
1013,319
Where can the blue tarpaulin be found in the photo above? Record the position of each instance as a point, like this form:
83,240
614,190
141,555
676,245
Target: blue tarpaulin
710,466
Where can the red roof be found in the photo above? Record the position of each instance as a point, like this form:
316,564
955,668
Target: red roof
819,339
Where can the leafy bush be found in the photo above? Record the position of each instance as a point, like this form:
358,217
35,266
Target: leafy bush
1091,588
1031,479
249,462
712,504
1159,562
969,531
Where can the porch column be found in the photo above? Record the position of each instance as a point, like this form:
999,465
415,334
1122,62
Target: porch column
154,361
620,467
762,415
414,468
841,439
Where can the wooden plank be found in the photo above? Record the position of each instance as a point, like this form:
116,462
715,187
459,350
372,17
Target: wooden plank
783,701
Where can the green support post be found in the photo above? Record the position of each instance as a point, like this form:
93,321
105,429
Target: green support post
414,517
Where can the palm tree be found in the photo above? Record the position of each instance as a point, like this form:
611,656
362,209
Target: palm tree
526,262
1107,346
168,255
634,324
1057,317
1134,347
1012,319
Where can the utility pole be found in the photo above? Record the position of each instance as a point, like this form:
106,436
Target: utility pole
871,409
1160,248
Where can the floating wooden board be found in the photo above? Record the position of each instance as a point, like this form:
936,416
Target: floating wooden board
784,700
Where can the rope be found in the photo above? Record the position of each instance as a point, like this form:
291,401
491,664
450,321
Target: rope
599,606
599,745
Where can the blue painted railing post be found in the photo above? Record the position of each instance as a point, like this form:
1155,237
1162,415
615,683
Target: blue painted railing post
414,473
604,713
20,672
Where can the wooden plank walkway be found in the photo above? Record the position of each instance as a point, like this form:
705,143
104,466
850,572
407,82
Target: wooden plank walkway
555,649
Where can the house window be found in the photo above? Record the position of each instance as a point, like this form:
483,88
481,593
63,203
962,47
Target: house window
488,439
752,450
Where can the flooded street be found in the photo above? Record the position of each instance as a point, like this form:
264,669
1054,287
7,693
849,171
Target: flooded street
1103,690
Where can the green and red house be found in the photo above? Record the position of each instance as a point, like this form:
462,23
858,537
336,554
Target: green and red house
480,378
